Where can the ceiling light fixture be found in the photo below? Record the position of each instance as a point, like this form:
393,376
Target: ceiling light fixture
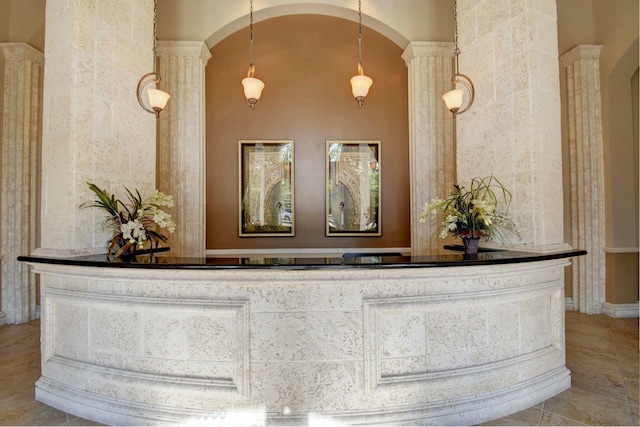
252,86
454,98
360,83
157,98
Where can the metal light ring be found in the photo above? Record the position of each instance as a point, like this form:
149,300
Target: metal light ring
145,81
467,83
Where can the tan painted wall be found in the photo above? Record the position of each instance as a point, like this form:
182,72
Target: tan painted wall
306,62
22,21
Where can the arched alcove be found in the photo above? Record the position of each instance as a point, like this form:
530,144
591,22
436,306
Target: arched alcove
306,62
622,179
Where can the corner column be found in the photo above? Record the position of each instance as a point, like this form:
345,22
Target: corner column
93,128
512,131
182,142
586,164
431,145
20,131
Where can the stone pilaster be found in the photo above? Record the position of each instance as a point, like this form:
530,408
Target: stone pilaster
431,145
586,164
21,107
182,141
93,128
509,50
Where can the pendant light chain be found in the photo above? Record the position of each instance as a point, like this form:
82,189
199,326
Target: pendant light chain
251,31
155,37
360,31
455,26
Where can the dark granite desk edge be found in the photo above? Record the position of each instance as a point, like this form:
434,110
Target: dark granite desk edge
456,259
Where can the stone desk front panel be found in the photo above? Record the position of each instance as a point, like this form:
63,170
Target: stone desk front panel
431,345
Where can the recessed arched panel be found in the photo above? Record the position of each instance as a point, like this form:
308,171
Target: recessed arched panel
306,62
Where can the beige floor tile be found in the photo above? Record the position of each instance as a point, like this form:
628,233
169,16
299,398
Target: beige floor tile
589,409
601,345
528,417
625,325
551,419
635,415
595,382
632,392
34,414
628,360
606,364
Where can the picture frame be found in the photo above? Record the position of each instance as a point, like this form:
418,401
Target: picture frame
352,188
266,188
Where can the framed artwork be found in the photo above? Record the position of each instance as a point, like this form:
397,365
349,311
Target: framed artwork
352,175
266,188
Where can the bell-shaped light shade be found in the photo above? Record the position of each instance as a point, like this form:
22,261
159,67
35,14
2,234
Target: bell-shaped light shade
453,99
360,85
252,89
158,99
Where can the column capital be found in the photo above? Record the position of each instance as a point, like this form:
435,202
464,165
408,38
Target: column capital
427,49
193,49
582,51
22,50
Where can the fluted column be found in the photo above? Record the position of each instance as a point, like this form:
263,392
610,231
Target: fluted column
21,108
431,146
586,164
181,142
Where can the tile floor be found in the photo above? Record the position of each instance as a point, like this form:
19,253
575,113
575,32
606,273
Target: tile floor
602,354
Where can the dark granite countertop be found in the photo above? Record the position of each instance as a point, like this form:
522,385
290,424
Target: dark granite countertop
455,259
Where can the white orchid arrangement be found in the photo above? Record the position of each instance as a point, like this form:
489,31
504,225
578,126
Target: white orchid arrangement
473,212
133,224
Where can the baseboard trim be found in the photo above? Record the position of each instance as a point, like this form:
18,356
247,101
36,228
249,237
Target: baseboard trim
568,304
620,310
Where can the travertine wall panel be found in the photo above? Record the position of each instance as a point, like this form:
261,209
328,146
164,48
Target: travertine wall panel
509,49
93,128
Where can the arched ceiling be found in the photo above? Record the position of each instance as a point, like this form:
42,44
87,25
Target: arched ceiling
213,20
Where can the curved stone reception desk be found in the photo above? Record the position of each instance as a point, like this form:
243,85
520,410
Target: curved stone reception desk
396,340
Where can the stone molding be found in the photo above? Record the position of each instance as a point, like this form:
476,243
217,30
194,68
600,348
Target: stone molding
586,164
431,145
621,310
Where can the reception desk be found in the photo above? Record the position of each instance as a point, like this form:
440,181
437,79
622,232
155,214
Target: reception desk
260,341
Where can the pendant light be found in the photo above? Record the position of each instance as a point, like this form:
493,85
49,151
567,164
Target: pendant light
455,98
252,86
157,98
360,83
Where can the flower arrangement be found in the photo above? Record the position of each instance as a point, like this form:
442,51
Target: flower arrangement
133,224
473,213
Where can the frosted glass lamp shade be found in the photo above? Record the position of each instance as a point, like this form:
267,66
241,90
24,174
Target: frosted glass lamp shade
252,89
360,85
453,99
158,99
